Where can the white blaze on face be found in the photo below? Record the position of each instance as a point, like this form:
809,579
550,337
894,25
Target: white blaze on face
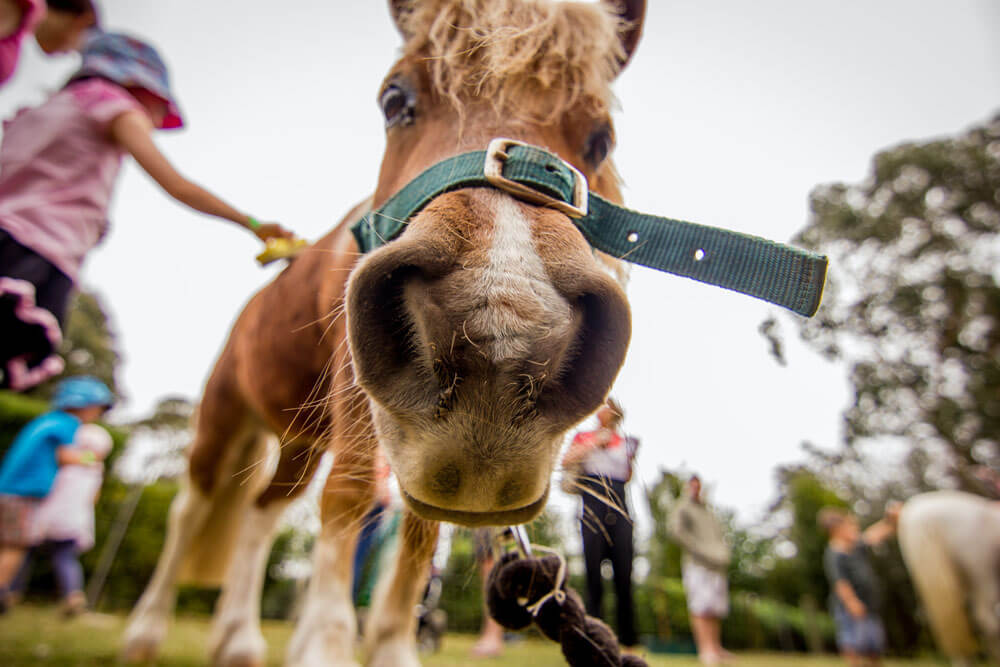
521,305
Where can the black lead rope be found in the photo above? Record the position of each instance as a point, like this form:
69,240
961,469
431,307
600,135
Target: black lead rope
525,589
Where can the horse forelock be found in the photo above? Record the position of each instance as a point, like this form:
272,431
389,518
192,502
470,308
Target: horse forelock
533,59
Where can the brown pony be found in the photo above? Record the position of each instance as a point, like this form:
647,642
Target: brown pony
466,348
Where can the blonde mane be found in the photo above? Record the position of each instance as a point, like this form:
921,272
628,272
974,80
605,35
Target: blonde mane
533,59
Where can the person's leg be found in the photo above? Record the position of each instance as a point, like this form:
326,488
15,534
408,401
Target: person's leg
713,627
622,554
366,540
853,659
10,562
703,640
490,642
69,575
593,554
875,632
19,584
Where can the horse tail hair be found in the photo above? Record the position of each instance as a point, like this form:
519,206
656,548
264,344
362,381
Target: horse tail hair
242,476
937,579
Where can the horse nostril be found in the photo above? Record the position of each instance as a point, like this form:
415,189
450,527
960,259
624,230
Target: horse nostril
511,492
446,481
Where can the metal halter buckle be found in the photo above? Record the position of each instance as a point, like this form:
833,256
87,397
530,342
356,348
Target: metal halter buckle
496,155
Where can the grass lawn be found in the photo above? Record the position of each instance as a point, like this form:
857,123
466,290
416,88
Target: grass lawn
38,636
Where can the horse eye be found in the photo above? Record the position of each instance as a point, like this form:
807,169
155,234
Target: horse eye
598,146
396,106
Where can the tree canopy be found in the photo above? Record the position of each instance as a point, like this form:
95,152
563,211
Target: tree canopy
913,304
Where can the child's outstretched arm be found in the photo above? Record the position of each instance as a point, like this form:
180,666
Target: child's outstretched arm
68,455
885,527
133,131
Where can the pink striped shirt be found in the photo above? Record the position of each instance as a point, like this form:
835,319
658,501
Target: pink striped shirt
58,167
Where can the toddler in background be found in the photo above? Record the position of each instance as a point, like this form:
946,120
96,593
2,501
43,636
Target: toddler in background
30,466
64,523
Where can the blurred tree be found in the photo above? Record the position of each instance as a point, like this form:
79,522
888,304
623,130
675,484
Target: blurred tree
797,572
158,442
913,304
663,553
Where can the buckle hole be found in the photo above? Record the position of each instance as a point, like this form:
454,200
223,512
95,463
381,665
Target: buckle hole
699,255
632,237
551,168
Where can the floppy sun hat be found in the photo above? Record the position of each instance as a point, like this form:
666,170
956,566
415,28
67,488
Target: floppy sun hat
82,392
130,63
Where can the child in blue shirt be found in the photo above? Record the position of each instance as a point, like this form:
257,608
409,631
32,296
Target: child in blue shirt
29,468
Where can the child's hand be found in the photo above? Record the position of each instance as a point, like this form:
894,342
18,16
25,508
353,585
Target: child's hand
892,511
856,608
272,230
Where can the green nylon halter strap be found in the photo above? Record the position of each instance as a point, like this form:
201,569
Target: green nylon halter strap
777,273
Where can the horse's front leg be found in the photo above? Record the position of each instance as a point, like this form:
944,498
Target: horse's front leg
236,638
390,635
327,628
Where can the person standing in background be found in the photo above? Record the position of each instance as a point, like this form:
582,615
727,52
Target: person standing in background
368,537
706,559
855,596
490,641
600,465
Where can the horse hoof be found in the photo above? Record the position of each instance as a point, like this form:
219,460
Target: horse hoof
394,653
251,652
139,651
242,660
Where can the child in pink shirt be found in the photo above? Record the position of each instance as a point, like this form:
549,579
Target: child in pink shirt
58,166
58,26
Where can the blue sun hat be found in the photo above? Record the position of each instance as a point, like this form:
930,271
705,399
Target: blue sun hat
82,391
130,63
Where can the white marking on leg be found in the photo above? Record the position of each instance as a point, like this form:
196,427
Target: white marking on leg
390,636
148,622
327,628
236,636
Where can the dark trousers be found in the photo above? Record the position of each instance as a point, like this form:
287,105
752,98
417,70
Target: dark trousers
65,566
27,339
607,535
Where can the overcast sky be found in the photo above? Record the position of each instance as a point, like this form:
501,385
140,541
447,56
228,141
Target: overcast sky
731,112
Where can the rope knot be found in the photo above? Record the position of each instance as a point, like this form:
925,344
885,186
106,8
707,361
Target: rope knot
518,592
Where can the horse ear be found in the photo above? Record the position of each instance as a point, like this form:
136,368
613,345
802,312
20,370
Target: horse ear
633,13
397,8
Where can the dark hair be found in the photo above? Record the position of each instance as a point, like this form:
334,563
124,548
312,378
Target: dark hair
77,7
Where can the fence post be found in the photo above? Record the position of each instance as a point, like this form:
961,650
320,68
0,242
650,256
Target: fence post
111,544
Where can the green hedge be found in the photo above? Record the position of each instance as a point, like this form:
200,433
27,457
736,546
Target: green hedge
661,611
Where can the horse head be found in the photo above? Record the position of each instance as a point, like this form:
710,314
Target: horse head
490,327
